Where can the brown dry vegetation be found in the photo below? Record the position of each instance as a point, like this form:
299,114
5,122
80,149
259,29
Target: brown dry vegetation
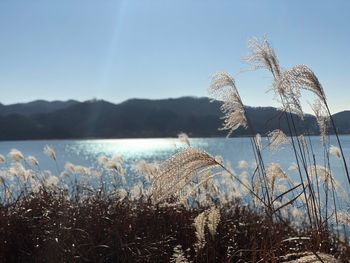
46,227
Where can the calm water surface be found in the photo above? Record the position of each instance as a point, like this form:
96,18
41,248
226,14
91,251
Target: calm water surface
86,152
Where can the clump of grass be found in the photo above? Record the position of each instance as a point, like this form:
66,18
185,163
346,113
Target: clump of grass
48,227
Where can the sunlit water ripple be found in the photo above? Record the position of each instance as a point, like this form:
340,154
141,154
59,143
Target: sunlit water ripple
86,152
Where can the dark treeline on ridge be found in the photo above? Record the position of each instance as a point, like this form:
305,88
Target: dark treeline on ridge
140,118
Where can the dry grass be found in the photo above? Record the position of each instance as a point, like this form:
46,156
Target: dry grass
46,227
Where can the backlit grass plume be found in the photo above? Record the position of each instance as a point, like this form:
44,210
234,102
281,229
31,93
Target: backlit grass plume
16,155
223,88
179,170
276,139
49,151
301,77
292,81
322,118
263,56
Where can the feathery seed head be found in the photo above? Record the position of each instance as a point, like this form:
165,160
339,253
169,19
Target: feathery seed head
199,224
180,170
334,150
274,170
49,151
16,155
148,170
80,169
323,174
223,88
64,174
219,159
2,158
242,164
288,94
322,119
35,186
115,163
183,137
273,173
17,169
290,84
301,77
213,217
263,56
70,167
219,81
102,160
293,167
32,160
51,181
178,256
276,139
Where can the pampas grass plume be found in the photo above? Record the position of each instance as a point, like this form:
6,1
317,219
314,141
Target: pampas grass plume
16,155
49,151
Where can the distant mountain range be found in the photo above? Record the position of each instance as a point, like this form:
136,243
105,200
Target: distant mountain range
35,107
139,118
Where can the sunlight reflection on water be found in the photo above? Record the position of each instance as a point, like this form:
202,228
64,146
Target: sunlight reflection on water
86,152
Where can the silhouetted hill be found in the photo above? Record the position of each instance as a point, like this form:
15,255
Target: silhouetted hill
140,118
35,107
342,121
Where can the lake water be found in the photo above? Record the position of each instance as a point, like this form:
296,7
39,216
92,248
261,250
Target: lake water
233,150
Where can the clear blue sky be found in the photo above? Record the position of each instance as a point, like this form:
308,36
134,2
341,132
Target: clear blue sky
115,50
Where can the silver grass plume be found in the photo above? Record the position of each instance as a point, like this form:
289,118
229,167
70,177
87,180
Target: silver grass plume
243,164
179,170
289,95
113,164
290,84
213,217
263,56
276,139
178,256
324,175
210,218
301,77
322,118
70,167
183,137
51,181
148,170
16,155
274,172
223,88
32,160
199,224
335,151
49,151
